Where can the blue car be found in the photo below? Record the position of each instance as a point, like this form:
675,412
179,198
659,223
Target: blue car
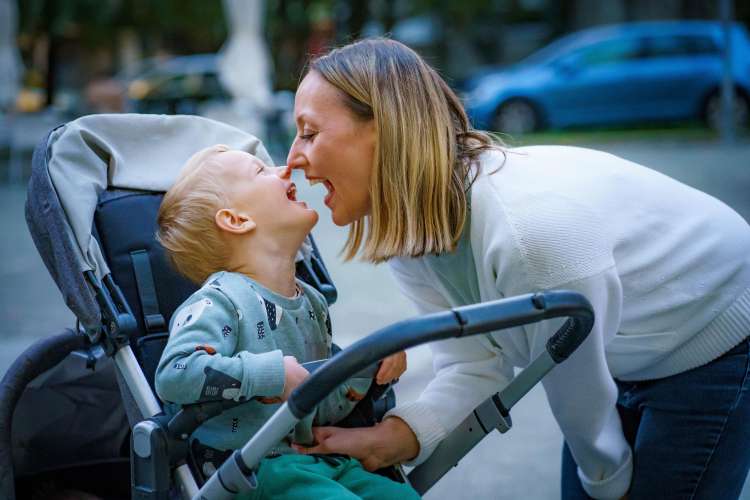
616,74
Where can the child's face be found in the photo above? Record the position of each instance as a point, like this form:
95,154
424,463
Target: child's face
265,193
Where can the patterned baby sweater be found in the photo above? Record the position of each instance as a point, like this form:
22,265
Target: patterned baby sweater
227,341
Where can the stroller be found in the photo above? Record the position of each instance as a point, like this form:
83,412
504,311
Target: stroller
96,185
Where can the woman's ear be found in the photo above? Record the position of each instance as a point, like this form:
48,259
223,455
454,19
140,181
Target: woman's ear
234,222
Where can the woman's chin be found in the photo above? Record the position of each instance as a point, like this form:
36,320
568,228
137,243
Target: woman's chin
346,217
340,220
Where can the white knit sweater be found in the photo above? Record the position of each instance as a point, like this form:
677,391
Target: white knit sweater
666,268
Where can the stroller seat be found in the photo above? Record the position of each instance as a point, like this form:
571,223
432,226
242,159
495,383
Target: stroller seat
95,173
125,224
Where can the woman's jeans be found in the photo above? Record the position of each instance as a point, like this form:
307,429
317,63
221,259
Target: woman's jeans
690,433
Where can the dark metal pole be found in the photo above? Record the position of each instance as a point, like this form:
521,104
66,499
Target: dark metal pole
727,85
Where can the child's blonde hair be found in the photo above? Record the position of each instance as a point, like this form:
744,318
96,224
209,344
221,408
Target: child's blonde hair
186,219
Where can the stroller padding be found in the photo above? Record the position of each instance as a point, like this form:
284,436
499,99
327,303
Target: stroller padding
125,223
152,317
82,159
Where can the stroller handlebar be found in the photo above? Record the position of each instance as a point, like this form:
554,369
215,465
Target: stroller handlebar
459,322
236,474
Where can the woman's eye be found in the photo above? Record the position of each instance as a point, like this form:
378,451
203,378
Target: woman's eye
307,136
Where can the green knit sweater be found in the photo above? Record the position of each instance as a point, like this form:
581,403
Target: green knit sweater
227,340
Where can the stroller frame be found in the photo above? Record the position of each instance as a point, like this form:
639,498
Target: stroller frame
159,444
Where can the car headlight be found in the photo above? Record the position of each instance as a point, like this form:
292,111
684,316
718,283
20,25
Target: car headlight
138,89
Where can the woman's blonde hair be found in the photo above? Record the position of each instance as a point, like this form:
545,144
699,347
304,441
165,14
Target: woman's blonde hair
186,224
425,149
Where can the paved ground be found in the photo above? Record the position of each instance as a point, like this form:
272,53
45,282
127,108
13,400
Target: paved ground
521,464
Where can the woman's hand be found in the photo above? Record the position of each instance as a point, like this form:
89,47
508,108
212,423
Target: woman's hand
391,368
390,442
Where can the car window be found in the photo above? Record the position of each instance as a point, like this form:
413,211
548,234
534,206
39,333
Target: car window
557,50
611,51
180,86
681,45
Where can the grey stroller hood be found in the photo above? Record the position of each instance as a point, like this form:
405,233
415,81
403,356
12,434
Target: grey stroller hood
83,158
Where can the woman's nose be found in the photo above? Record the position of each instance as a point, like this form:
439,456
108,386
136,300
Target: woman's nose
295,159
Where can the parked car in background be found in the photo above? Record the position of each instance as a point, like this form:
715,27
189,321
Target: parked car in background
176,86
168,85
191,85
616,74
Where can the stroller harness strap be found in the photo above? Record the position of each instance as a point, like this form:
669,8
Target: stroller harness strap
144,278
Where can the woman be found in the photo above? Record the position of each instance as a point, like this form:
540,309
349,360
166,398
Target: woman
654,402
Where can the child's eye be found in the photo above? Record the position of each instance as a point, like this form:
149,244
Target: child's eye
307,136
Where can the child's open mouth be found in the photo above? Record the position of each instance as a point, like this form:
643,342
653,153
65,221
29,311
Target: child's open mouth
291,193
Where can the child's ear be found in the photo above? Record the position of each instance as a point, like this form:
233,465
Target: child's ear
234,222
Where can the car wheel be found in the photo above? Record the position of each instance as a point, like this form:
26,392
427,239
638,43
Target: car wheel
712,110
516,117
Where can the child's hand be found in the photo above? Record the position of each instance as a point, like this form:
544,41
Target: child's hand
391,368
294,375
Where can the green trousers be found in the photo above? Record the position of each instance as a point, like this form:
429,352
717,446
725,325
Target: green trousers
323,478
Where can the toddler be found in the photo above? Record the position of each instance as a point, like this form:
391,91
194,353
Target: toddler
234,224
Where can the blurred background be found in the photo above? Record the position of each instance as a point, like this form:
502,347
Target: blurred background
665,84
522,65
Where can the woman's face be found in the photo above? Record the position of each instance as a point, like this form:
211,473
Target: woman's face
333,147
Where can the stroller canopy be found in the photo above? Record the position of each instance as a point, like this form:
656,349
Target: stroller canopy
78,161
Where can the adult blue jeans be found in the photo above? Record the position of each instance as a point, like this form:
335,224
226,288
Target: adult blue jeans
690,433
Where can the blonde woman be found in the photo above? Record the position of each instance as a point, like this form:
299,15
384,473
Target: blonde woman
655,403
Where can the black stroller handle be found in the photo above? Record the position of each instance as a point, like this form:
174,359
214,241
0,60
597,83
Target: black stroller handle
459,322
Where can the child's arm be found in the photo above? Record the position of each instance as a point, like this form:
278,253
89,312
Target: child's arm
201,361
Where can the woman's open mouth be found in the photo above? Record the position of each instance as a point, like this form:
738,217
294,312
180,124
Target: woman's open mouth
329,187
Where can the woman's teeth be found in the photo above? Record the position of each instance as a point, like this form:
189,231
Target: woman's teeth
291,193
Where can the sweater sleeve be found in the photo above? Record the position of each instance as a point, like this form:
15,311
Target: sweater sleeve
561,243
582,394
201,362
466,373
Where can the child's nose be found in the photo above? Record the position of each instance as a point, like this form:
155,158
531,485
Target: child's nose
283,171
